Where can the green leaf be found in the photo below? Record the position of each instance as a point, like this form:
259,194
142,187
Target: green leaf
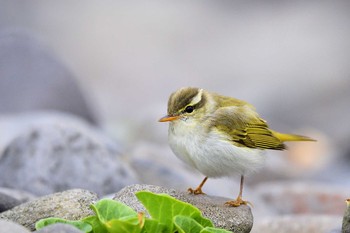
214,230
186,224
164,208
115,217
95,223
107,209
123,226
153,226
85,227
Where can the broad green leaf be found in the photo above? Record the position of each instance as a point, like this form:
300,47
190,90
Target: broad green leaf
153,226
214,230
85,227
204,222
107,209
123,226
186,224
164,208
95,223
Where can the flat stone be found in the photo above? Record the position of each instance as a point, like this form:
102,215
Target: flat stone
71,205
237,219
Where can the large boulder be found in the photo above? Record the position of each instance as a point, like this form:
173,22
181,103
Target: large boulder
56,152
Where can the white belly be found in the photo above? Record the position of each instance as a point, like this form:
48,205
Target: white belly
212,155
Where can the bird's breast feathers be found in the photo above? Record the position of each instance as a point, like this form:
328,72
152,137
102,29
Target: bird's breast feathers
210,152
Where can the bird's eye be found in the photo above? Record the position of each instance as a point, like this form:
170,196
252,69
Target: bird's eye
189,109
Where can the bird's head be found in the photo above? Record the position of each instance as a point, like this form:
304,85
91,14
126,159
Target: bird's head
187,104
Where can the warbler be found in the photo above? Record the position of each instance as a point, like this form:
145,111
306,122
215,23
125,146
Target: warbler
220,136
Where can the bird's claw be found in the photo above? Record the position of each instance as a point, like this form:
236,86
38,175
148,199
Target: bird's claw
238,202
196,191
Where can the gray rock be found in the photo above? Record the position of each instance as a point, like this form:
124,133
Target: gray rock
298,224
346,218
71,205
18,124
11,227
7,202
239,219
32,78
20,195
59,228
59,152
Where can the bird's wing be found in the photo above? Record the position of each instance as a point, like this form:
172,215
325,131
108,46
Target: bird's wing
242,126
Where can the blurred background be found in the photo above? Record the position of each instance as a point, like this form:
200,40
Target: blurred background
290,59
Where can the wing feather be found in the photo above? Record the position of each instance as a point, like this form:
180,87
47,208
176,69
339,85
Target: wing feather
243,127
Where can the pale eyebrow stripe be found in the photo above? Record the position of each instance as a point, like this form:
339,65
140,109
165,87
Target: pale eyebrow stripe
197,98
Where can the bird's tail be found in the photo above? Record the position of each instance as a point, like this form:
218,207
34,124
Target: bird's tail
291,137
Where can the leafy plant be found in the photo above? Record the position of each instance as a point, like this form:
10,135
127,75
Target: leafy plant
167,215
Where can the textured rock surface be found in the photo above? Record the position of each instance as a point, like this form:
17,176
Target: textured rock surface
11,227
346,218
238,219
32,78
298,224
59,152
59,228
72,205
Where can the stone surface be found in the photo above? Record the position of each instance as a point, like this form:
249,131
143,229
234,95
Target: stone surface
72,205
11,227
57,152
33,78
59,228
238,219
303,197
346,218
298,224
7,202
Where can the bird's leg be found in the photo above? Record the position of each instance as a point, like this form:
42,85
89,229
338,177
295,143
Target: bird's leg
239,201
198,190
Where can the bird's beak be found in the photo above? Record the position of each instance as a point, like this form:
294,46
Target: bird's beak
168,118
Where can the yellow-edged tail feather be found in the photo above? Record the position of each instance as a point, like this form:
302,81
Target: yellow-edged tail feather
291,137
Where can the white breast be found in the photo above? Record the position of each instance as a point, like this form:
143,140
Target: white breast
212,154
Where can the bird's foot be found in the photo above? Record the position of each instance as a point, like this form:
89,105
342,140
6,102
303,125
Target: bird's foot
196,191
238,202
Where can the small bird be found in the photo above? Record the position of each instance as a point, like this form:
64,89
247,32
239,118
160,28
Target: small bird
220,136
